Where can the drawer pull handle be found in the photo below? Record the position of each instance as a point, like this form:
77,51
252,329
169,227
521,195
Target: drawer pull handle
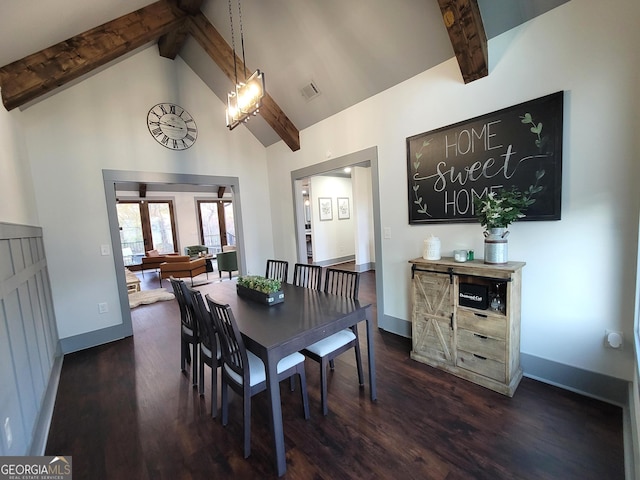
479,356
484,337
483,315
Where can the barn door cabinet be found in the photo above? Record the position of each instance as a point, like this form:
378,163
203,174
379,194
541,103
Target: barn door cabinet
479,344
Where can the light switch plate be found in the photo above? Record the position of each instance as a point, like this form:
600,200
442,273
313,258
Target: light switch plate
105,250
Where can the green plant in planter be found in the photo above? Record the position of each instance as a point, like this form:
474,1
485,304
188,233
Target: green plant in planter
498,209
261,284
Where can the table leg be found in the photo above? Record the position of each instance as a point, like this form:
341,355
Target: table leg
275,414
371,354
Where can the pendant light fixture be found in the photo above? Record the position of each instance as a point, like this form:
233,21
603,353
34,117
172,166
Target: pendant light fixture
245,99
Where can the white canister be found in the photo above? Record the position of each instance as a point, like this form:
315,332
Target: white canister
431,248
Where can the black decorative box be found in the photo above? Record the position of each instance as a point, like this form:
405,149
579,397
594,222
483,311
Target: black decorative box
475,296
264,298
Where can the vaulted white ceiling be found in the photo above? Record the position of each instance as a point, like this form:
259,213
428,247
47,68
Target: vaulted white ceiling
349,49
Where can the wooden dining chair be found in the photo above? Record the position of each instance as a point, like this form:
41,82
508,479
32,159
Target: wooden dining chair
209,343
277,270
345,284
244,372
308,276
188,332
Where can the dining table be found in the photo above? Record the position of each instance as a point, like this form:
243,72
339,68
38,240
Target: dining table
274,331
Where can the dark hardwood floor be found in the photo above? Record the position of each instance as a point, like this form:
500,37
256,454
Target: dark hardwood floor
124,411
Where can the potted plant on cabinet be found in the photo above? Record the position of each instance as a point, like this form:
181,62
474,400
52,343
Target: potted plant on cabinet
496,211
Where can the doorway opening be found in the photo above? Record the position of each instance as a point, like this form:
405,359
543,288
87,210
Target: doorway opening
367,159
115,180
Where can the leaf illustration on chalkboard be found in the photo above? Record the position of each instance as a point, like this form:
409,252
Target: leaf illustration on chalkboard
534,189
536,129
542,142
416,165
418,200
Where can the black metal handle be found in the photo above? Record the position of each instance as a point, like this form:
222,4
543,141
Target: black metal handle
484,337
479,356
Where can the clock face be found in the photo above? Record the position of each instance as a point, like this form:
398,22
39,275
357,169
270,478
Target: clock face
172,126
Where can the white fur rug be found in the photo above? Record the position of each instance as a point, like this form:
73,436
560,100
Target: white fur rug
145,297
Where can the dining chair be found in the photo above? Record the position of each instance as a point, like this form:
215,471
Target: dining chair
345,284
277,270
308,276
209,343
245,372
188,332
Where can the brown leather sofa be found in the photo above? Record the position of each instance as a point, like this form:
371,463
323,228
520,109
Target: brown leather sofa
153,259
181,266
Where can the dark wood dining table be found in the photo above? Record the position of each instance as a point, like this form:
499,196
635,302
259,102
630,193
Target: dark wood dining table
273,332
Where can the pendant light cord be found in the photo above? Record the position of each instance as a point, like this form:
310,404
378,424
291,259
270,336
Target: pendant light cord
244,63
233,44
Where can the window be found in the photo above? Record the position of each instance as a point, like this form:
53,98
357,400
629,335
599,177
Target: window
217,227
145,225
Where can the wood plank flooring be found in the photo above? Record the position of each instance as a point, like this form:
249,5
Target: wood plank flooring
125,411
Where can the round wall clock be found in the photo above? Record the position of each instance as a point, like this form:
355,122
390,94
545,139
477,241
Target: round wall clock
172,126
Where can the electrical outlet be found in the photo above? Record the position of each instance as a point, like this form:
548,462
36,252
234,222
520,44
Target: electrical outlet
613,339
103,307
7,433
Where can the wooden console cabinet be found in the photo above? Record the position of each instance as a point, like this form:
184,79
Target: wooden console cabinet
479,345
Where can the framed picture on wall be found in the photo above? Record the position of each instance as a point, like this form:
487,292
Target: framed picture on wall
325,209
520,147
343,208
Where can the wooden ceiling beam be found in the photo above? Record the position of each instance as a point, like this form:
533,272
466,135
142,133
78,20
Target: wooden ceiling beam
222,54
170,44
468,38
40,73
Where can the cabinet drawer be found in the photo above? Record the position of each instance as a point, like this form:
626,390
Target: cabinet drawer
483,366
481,345
492,325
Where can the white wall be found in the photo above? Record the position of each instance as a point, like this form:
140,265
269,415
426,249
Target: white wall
580,273
331,239
100,123
363,215
17,199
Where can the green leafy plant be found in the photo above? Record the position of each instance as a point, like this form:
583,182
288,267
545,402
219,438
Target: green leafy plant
498,209
261,284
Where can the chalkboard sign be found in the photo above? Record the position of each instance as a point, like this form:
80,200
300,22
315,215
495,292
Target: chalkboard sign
519,146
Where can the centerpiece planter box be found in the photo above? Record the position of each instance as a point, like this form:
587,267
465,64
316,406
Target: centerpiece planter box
260,297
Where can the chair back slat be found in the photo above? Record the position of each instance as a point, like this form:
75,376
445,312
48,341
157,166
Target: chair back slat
277,270
341,282
186,314
308,276
233,349
203,319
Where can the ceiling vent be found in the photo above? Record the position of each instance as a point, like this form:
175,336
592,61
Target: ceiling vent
310,91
